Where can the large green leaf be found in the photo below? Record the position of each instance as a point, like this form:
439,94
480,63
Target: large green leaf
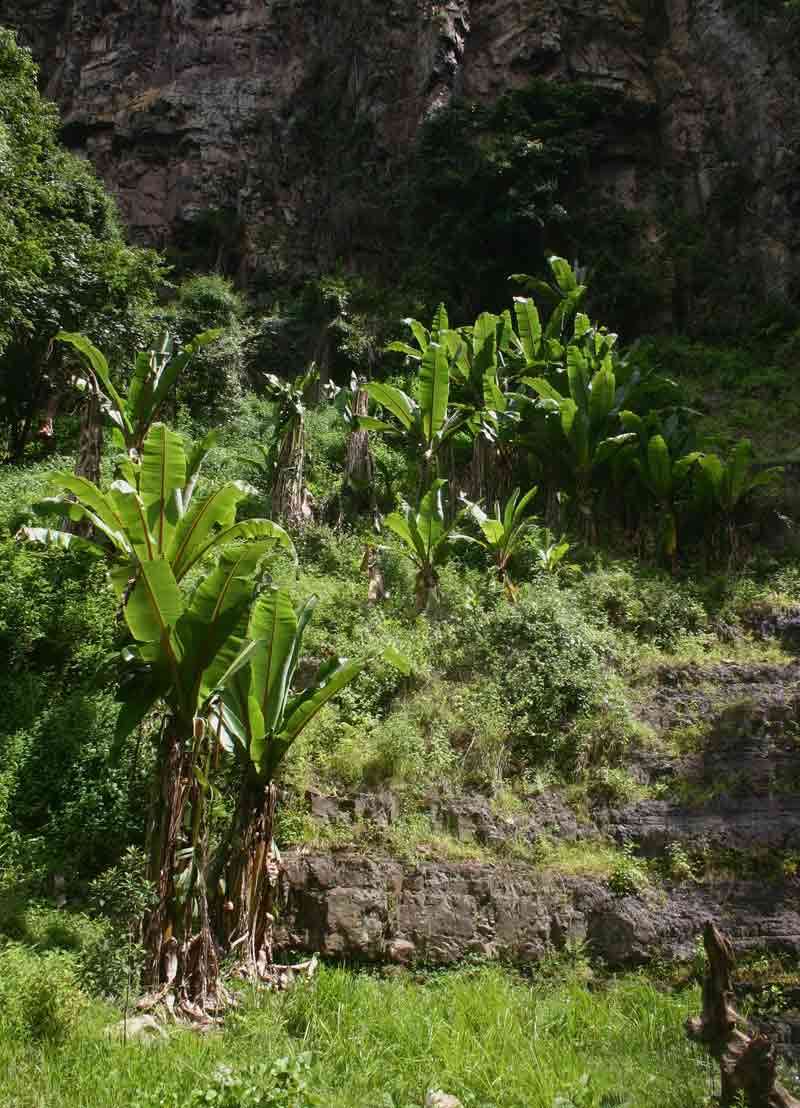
198,455
274,623
99,365
659,468
155,604
90,495
713,471
484,344
246,530
738,468
401,524
543,388
439,323
404,348
173,368
302,716
140,392
430,517
217,510
130,510
420,333
563,274
214,627
48,536
161,481
393,400
578,376
434,389
530,327
601,396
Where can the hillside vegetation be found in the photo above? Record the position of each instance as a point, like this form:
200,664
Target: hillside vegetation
247,560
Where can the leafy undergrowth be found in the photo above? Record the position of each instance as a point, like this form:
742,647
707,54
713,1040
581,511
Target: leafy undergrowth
353,1040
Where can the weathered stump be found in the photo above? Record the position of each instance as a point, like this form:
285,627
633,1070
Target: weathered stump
747,1062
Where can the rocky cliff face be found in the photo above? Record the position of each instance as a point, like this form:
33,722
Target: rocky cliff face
268,130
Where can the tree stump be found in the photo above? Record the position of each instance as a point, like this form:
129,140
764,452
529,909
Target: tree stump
747,1062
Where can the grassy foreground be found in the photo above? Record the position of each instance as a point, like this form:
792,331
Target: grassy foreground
352,1040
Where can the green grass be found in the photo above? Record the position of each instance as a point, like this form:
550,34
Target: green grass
482,1034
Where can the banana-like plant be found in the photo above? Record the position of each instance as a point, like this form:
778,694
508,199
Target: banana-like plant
150,513
563,296
663,476
258,716
503,532
726,485
427,540
586,414
423,426
133,411
185,642
483,358
285,455
551,552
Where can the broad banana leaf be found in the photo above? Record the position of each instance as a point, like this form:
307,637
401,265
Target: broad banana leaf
578,376
99,365
161,482
155,604
213,629
563,274
601,396
275,625
217,510
529,326
430,517
404,525
439,323
434,390
169,374
394,400
659,468
130,510
48,536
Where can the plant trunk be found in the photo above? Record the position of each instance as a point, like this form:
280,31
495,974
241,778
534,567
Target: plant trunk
289,496
359,465
482,463
251,878
166,819
182,968
90,443
747,1063
426,590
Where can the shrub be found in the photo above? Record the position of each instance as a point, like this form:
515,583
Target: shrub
630,876
652,607
40,998
546,662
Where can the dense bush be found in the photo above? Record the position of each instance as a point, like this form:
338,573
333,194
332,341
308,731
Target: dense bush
40,998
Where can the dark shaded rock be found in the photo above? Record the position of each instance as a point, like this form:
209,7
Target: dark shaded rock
371,909
260,122
742,824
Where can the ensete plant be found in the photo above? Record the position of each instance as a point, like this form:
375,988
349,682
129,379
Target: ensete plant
258,715
427,541
503,532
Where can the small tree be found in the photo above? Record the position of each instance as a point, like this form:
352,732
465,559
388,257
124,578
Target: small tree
423,426
726,485
284,457
258,716
135,410
503,532
427,541
185,645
